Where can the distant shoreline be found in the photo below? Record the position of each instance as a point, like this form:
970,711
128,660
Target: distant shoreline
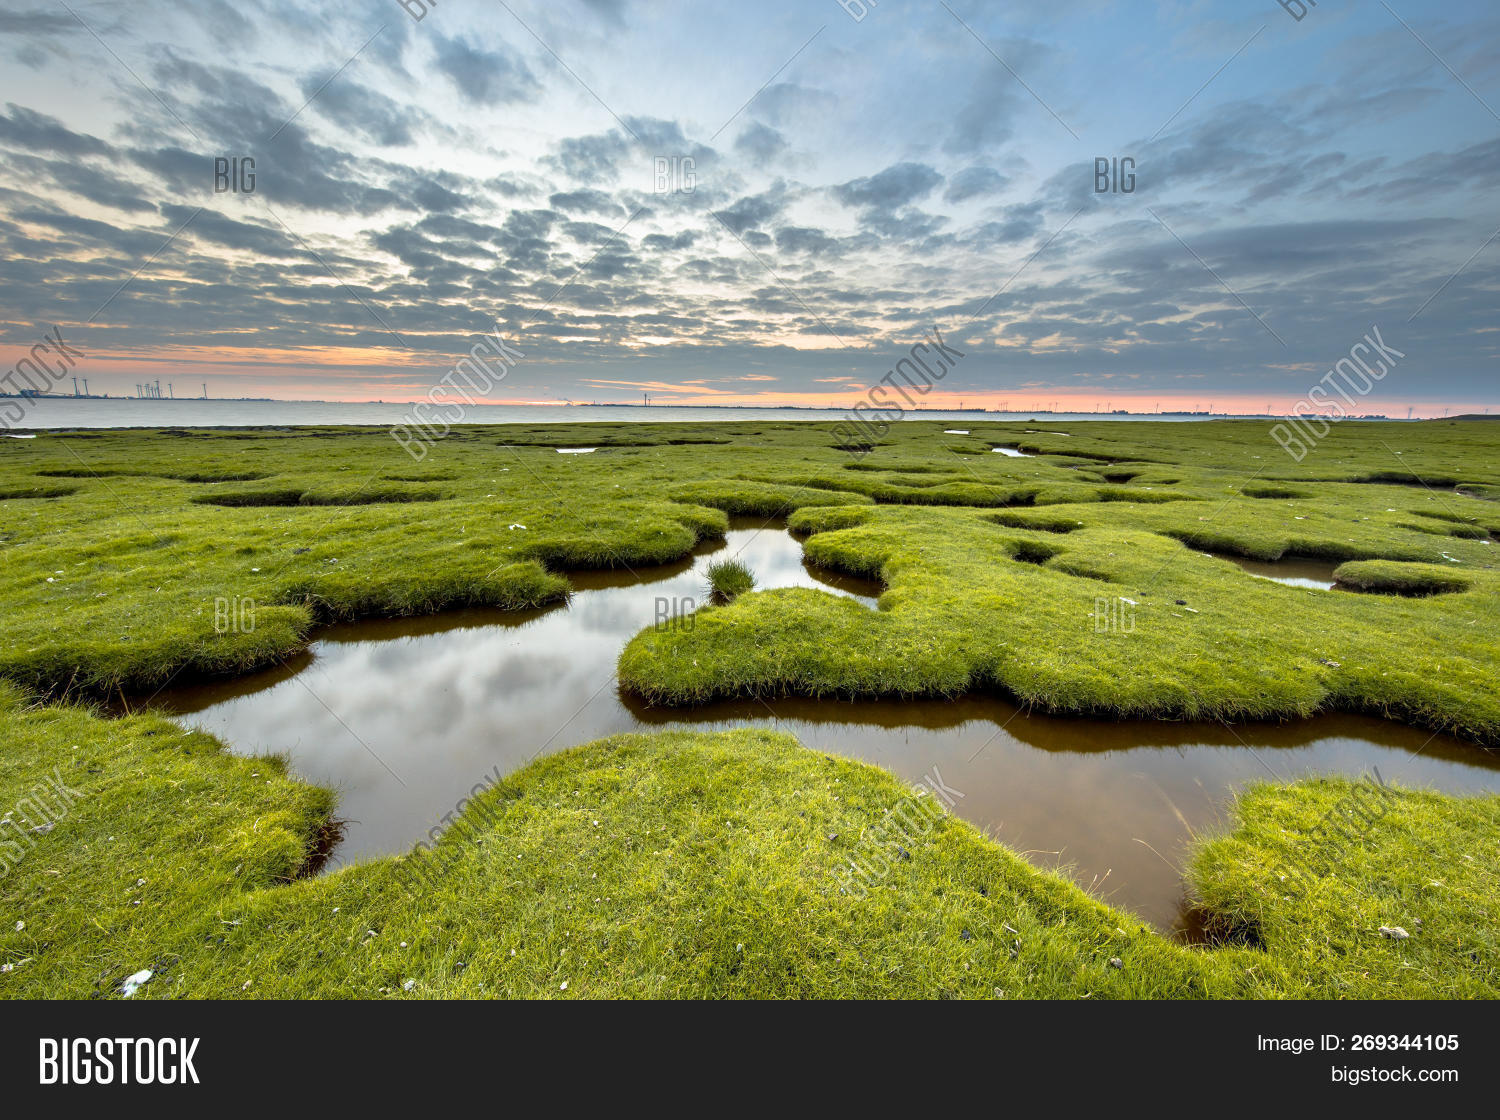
570,409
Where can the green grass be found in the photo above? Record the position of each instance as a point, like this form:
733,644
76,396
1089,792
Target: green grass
153,529
121,548
1414,861
1400,579
728,579
670,865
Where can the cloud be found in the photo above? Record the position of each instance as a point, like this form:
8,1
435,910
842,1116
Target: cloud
372,115
31,131
760,142
973,182
586,202
896,186
787,103
754,210
485,77
802,239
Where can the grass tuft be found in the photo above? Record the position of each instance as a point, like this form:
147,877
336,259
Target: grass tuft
728,579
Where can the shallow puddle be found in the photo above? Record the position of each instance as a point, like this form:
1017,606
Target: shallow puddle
404,716
576,450
1294,571
955,431
1012,452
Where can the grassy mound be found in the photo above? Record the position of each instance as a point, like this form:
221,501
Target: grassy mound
141,536
1013,603
735,864
1399,579
1314,871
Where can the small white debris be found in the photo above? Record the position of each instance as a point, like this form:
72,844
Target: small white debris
1191,610
518,526
245,987
255,569
1132,602
1395,932
20,926
408,986
134,981
564,987
403,944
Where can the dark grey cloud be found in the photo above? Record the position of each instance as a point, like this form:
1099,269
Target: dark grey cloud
802,239
760,142
661,243
366,112
611,12
586,202
1019,223
37,21
974,182
898,185
485,77
31,131
983,123
218,229
754,210
101,184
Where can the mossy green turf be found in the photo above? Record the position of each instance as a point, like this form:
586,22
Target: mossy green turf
676,864
161,528
123,547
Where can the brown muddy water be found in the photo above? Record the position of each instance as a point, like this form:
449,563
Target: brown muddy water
402,717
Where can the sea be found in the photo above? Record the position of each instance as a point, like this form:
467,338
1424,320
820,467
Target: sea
131,412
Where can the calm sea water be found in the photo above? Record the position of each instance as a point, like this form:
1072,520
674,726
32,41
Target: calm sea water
126,412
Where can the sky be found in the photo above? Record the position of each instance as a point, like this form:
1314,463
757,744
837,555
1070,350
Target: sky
765,203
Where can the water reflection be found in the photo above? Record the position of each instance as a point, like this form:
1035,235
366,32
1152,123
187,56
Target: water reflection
403,716
1294,571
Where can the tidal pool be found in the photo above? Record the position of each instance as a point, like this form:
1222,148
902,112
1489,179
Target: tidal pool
403,716
1294,571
